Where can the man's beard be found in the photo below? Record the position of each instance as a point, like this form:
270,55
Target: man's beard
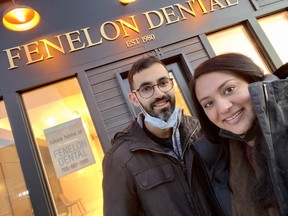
165,113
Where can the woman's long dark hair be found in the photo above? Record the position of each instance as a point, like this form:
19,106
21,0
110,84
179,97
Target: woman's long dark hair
234,63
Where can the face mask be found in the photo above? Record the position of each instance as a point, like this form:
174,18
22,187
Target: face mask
159,123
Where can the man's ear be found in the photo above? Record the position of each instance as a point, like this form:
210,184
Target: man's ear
133,99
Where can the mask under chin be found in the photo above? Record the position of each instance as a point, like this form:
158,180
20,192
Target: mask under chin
159,123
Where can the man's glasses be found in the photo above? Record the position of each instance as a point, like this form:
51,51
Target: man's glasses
147,91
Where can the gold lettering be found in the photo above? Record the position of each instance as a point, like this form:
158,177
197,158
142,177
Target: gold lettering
182,8
231,4
111,31
10,57
50,44
88,38
132,42
201,6
71,41
123,24
115,26
216,2
30,52
151,24
167,15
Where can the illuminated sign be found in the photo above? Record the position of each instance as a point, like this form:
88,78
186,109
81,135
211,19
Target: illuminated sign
40,50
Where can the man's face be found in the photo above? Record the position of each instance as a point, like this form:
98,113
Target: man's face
160,104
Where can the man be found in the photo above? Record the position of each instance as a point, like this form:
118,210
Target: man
148,169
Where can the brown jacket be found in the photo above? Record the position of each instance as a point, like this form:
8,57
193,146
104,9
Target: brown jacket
140,178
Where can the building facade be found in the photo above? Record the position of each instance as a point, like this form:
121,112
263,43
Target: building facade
63,84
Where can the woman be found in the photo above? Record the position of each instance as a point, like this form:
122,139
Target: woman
237,104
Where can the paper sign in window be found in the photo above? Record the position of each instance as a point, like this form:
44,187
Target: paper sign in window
69,147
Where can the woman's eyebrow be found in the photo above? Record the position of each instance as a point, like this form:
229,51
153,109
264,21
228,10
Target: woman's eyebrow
218,88
223,84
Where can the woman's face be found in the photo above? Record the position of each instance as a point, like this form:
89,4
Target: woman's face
226,101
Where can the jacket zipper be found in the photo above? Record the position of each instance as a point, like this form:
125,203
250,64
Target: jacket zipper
266,98
184,167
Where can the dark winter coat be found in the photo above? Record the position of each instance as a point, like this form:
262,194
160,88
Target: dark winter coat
216,158
140,178
270,100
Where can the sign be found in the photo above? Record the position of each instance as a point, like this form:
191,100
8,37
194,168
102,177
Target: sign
111,30
69,147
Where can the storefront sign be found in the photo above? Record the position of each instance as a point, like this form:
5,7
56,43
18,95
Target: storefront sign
69,147
40,50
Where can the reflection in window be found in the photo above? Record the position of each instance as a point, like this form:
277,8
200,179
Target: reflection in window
180,102
236,39
276,28
68,145
14,196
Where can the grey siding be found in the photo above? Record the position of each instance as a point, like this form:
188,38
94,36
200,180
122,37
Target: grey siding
262,3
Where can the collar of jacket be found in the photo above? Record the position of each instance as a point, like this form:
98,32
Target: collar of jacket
137,138
248,136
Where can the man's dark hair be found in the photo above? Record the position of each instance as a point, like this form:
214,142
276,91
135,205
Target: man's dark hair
141,64
282,72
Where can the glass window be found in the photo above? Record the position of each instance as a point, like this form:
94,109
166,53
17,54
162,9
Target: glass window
236,39
180,102
68,146
14,196
276,28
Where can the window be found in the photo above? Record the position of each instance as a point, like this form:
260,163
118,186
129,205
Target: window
14,196
174,70
276,28
236,39
68,146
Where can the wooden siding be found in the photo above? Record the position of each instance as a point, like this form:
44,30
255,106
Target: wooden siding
107,91
109,97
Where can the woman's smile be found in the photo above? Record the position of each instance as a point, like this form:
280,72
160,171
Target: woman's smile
233,117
